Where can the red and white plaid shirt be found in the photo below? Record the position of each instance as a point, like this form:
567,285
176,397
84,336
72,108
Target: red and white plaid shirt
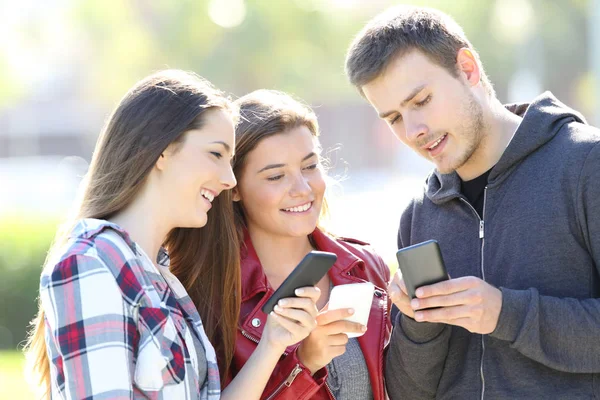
116,326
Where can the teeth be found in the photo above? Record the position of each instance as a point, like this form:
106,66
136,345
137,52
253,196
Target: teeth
437,142
207,195
299,208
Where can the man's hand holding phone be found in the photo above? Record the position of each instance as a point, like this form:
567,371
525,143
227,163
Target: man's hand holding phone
430,295
328,340
468,302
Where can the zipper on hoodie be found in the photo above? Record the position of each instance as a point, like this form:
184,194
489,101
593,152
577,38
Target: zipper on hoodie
482,237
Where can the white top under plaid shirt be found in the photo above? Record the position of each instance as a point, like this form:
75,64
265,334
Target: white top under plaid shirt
116,327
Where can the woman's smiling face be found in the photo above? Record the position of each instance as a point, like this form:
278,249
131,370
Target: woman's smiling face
282,184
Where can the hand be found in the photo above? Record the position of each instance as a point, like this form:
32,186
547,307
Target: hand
328,339
292,319
399,295
468,302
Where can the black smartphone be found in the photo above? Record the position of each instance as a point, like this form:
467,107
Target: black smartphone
308,272
421,264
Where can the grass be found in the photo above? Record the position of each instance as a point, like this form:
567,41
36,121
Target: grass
12,381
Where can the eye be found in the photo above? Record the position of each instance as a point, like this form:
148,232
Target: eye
217,154
275,178
396,119
424,101
312,166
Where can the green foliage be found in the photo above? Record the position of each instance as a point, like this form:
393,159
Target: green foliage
23,246
297,46
12,382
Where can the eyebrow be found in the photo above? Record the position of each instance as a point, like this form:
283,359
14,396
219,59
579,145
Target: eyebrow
408,98
227,147
273,166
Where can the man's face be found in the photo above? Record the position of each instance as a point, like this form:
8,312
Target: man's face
431,111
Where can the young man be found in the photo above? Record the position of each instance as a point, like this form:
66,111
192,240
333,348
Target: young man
514,202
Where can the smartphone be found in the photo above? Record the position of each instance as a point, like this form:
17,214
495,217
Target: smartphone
358,296
308,272
421,264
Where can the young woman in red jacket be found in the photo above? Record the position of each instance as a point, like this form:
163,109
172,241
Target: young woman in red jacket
278,204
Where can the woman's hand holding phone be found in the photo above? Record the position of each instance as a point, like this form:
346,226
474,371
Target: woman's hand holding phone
292,319
328,340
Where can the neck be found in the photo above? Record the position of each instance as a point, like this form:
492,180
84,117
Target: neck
499,128
142,221
279,255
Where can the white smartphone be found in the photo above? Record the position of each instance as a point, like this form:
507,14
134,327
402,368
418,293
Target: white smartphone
358,296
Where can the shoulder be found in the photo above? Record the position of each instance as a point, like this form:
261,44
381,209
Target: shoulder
577,146
103,261
365,252
576,140
418,205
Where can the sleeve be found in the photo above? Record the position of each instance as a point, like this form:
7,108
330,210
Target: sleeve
89,330
561,333
417,351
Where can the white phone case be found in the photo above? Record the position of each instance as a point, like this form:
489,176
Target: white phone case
358,296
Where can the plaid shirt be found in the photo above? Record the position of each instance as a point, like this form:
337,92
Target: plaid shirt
118,328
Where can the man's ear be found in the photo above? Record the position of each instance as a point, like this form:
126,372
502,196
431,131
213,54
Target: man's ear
236,194
468,66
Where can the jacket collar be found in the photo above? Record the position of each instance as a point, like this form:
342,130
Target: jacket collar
254,279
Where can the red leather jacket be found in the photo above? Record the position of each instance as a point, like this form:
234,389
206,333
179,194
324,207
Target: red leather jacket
291,379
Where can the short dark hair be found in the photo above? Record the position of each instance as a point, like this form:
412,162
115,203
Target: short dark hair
401,29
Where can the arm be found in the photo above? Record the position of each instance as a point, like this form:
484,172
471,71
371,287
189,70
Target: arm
292,380
291,321
89,330
302,373
417,351
561,333
255,373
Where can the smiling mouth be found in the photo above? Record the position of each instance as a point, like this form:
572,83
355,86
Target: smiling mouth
299,209
437,143
207,195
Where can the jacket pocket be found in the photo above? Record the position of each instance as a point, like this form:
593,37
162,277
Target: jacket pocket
161,351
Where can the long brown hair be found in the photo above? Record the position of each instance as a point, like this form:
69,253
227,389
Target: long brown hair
155,113
264,113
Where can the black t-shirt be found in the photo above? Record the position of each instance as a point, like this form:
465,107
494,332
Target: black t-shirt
473,191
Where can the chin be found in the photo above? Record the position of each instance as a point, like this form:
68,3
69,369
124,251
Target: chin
199,221
301,231
448,166
445,169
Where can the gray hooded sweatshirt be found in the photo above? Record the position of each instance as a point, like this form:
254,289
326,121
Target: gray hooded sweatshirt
539,242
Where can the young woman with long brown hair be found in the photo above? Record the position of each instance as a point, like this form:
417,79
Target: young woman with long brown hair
114,322
279,201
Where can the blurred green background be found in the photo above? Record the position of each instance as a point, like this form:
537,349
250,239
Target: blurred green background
65,63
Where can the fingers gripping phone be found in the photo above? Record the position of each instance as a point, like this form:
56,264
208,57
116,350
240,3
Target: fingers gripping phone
421,264
308,272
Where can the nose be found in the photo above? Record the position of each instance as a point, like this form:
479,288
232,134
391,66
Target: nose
415,129
300,186
228,178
